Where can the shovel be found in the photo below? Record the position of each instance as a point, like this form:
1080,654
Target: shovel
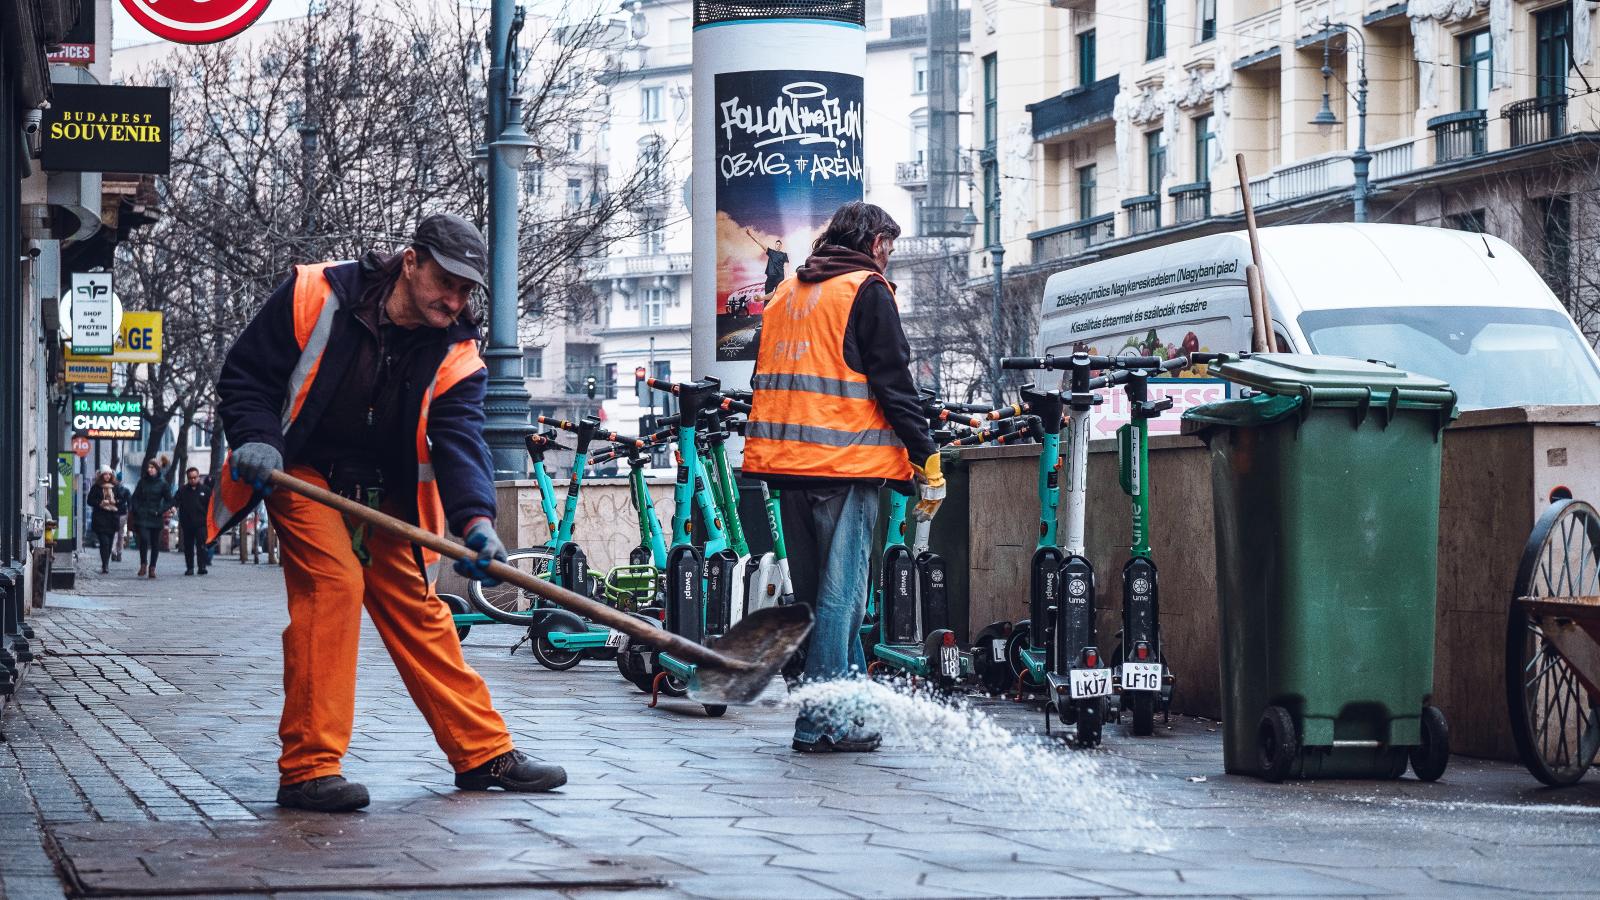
734,669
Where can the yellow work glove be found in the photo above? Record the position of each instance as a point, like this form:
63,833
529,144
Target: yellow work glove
930,488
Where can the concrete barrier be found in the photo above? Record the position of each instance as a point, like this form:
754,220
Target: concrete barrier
1499,469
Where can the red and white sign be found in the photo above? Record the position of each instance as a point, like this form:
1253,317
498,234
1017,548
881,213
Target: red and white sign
76,54
80,445
195,21
1186,393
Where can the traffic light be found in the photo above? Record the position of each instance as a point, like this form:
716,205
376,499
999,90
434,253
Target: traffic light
589,385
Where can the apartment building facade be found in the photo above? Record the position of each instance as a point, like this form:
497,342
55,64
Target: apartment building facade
1109,128
646,278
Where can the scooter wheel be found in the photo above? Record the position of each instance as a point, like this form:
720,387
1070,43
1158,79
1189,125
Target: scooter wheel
458,606
1143,706
1277,746
715,710
673,687
1091,716
1428,761
1017,669
993,674
554,658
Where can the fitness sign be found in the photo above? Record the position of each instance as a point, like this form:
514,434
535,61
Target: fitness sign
788,154
195,21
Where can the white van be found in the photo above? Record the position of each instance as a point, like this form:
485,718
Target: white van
1462,307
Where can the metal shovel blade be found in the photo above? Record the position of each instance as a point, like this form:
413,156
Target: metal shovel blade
762,642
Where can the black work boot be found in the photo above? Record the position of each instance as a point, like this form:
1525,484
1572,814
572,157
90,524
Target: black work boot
330,793
512,771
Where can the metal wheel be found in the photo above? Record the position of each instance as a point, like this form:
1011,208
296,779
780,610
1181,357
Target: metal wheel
1554,718
508,603
458,607
552,657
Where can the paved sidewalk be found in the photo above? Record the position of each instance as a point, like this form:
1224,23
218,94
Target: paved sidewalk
140,760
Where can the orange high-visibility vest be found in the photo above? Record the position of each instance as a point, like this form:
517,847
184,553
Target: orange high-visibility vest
813,415
315,304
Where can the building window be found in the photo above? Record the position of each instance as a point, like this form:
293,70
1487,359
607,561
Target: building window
991,101
919,74
1155,160
1557,256
1473,221
1204,140
574,141
533,363
1155,29
533,179
1086,57
650,104
652,311
1477,64
574,191
1087,176
1206,13
1551,29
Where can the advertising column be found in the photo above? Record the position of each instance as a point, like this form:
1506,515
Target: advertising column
777,148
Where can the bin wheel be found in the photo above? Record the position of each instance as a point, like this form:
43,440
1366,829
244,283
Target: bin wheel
1091,716
1429,760
552,657
1398,758
715,710
1277,747
458,606
1554,720
1143,706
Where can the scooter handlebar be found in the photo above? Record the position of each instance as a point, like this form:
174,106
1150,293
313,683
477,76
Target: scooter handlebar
735,406
553,422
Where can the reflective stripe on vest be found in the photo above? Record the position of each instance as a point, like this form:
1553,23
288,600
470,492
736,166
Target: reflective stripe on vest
460,363
813,415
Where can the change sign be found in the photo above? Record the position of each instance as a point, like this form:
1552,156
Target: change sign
118,418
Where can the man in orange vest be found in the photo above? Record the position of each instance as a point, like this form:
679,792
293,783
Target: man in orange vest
365,377
835,416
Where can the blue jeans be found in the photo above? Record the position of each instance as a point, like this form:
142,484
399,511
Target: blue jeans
828,533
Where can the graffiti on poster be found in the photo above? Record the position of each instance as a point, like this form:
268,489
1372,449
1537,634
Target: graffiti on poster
788,153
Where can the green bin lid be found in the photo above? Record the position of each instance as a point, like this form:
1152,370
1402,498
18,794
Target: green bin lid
1290,373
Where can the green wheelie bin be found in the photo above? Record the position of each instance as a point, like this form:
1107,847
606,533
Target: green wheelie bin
1325,485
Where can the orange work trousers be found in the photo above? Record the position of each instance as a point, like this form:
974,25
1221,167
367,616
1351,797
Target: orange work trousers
327,587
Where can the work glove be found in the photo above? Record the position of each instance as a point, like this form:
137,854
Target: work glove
930,488
481,537
253,462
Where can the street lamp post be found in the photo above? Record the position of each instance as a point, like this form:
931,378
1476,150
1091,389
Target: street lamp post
997,254
506,400
1325,119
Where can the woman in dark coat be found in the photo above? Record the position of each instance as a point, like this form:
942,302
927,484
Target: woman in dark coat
106,508
152,503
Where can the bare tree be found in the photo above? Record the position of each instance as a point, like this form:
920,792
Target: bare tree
950,324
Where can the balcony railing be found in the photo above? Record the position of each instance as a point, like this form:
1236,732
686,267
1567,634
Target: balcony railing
923,246
637,266
1393,159
911,174
1303,179
1259,33
1459,135
1067,241
1144,213
1190,202
1536,119
1074,109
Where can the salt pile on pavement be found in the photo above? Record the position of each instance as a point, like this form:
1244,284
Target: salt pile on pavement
1036,782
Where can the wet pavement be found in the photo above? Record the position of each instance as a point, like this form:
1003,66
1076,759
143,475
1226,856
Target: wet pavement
139,760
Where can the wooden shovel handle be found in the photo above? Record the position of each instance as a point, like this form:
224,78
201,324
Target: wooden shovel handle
595,611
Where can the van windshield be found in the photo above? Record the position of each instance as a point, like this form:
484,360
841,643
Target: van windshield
1492,356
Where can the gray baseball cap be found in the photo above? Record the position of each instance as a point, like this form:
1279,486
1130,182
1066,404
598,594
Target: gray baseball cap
456,245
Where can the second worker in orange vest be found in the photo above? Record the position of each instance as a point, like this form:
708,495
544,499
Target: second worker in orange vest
365,377
834,417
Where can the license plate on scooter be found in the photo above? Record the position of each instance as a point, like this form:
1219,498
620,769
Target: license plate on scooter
950,661
1088,683
1141,676
616,639
997,647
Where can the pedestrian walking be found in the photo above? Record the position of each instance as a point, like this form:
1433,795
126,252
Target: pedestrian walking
193,502
834,417
149,510
364,377
107,506
125,503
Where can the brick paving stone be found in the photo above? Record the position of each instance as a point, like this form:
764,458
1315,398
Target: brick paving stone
147,754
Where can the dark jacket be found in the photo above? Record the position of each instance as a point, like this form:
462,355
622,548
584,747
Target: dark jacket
152,497
193,503
874,345
106,521
253,387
